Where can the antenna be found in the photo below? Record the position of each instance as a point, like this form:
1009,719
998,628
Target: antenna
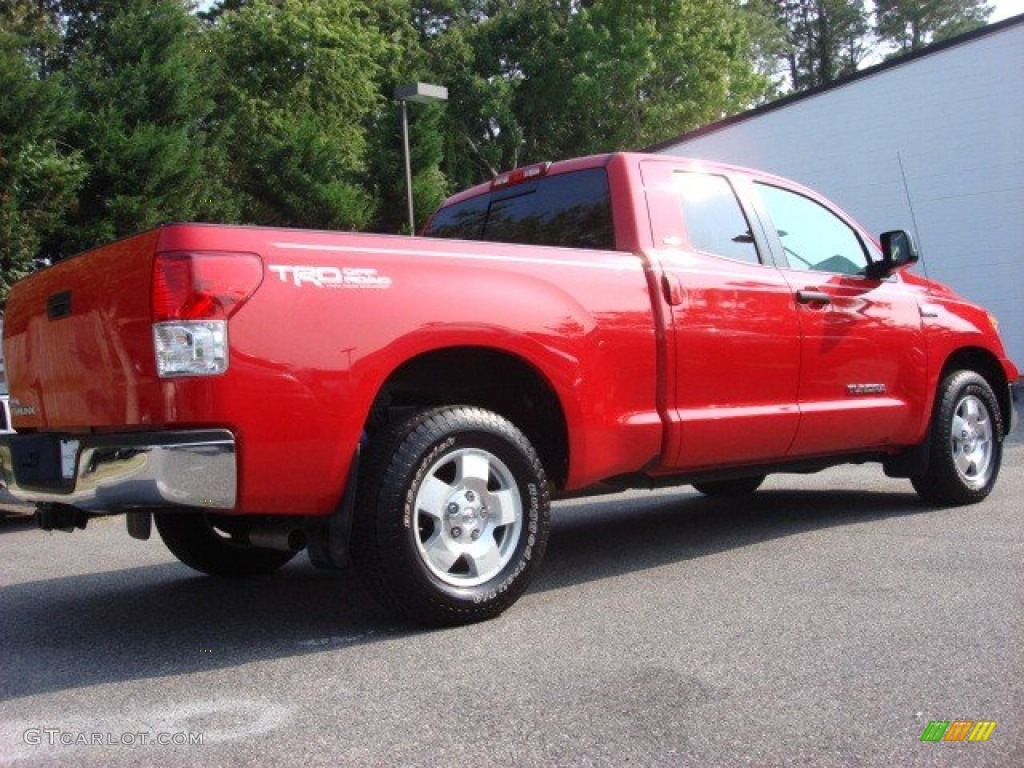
913,216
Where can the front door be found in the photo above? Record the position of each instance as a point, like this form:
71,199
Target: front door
863,350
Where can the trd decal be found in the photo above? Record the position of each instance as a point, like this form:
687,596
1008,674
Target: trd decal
330,277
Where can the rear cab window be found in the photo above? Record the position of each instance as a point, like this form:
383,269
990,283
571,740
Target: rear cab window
571,209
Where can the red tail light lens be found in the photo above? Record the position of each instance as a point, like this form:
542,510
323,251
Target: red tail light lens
203,285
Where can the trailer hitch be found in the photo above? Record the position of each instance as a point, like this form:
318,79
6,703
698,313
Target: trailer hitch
60,517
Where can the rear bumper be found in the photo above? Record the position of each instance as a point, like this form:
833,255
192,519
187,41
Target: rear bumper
116,473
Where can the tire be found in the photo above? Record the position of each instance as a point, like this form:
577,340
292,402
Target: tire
451,519
200,543
965,442
740,486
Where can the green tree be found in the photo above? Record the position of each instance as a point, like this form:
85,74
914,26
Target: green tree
645,70
768,42
139,91
827,39
39,175
407,62
386,167
480,129
912,24
299,83
537,79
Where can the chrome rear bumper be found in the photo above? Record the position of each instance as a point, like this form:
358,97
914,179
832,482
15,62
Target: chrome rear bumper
117,473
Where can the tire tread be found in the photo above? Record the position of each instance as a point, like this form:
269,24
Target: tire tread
940,483
395,452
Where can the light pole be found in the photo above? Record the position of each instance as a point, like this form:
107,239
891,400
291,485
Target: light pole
420,93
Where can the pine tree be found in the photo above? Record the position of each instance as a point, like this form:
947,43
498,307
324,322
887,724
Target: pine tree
135,74
911,24
827,39
39,175
299,82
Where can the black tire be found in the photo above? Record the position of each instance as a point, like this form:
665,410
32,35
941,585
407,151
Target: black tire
451,518
201,543
966,442
740,486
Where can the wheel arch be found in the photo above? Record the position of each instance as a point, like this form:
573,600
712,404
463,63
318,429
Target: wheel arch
986,365
485,377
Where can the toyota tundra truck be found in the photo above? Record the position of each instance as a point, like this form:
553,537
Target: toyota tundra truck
412,404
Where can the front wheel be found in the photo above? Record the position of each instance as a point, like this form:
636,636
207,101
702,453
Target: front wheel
966,442
451,516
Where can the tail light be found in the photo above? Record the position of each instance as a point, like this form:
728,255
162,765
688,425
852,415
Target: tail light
194,295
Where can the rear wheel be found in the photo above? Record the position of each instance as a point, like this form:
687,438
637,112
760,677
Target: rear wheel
451,516
966,442
212,545
740,486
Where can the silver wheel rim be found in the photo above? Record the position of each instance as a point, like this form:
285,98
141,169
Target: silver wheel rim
467,517
972,442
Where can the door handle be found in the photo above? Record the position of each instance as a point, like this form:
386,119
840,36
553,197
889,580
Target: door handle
813,297
672,290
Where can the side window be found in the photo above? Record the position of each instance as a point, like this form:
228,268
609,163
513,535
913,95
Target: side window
714,220
814,238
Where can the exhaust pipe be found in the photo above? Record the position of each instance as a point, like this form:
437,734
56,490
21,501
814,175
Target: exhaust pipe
281,539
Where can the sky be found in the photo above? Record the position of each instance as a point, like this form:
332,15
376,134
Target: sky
1006,8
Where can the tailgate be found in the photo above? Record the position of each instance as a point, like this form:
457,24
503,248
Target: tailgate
78,341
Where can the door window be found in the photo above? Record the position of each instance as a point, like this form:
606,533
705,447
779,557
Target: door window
714,220
813,238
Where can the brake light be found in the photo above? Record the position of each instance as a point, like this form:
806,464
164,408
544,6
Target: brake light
203,286
194,294
520,175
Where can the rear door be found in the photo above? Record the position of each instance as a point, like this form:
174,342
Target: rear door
863,350
733,349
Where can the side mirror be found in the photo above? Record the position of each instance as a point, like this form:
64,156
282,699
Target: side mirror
897,251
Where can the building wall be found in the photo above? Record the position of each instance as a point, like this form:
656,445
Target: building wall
955,118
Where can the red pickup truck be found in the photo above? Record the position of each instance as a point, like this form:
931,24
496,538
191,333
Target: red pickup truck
607,322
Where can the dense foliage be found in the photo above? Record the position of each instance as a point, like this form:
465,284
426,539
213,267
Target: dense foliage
121,114
912,24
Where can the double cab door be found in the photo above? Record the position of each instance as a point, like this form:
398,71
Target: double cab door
777,346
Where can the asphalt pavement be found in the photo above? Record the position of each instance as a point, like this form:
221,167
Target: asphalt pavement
824,621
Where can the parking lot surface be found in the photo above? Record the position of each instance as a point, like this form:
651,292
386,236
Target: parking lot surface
824,621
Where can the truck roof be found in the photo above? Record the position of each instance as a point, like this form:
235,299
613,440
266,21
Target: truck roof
601,161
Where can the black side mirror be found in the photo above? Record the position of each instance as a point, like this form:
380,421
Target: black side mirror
897,251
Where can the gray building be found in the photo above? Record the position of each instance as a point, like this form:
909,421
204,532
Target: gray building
932,142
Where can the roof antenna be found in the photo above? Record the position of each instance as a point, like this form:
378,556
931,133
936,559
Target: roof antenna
913,216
